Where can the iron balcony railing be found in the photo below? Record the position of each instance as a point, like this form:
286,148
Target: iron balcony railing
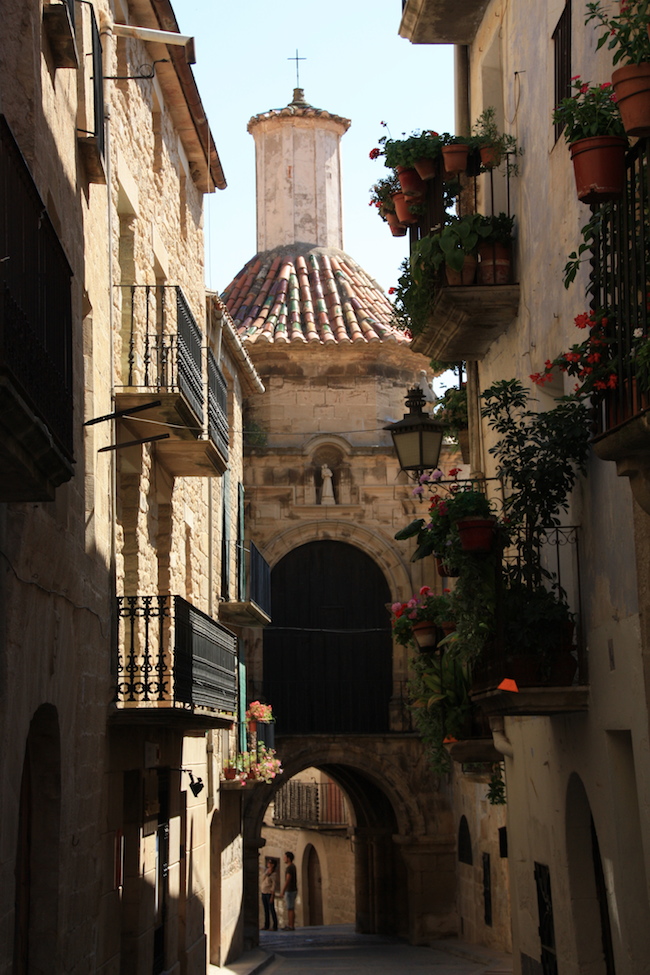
310,804
169,653
620,283
35,299
164,344
551,562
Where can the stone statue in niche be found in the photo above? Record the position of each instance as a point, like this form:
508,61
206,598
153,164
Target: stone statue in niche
327,491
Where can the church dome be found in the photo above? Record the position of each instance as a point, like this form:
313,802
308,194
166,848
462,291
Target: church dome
305,294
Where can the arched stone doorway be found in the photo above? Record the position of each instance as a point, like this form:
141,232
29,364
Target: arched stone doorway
328,651
314,886
36,927
402,832
589,904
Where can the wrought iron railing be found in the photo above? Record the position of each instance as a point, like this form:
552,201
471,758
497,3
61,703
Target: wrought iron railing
310,804
553,563
620,283
217,406
35,303
170,653
164,344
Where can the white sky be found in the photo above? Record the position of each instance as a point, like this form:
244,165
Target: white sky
357,66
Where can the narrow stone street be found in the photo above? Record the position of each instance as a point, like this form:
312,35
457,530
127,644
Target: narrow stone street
339,949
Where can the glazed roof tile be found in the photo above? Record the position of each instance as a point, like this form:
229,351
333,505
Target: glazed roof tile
299,108
302,294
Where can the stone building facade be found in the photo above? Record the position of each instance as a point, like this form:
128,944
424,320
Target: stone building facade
577,771
122,394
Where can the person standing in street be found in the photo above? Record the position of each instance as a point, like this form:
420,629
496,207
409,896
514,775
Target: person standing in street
267,889
290,891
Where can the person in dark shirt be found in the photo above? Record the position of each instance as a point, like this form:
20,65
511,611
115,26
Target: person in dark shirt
290,891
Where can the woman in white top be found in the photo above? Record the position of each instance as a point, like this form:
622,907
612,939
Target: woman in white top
267,888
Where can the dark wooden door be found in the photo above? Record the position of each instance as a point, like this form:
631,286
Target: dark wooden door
328,652
315,888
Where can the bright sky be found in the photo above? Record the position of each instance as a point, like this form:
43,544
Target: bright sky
356,66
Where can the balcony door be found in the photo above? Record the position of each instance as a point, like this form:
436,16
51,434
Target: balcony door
328,652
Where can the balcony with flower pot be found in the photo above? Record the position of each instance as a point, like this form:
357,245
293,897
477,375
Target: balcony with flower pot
163,369
455,294
616,240
175,665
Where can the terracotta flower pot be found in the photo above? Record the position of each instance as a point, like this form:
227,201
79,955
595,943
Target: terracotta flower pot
425,634
404,215
252,727
230,773
632,87
397,228
494,264
411,183
490,156
599,168
465,276
455,159
476,534
426,168
446,570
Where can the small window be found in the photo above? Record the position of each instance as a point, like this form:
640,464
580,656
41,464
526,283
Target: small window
562,60
464,842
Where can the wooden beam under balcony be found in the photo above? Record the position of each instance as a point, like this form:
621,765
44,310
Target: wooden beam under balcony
465,321
534,700
441,21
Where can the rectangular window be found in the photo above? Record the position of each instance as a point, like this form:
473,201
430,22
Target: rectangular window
562,61
546,925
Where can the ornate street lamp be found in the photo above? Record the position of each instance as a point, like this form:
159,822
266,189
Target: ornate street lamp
417,438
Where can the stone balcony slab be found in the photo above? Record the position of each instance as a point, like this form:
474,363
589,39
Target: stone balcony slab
534,700
441,21
465,321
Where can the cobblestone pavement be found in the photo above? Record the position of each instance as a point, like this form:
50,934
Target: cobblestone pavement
339,950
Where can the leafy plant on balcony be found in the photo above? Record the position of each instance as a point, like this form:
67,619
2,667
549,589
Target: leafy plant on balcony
497,229
625,32
451,244
442,709
452,410
426,607
593,362
485,134
382,193
591,111
425,144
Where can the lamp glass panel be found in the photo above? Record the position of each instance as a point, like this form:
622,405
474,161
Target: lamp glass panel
407,446
431,444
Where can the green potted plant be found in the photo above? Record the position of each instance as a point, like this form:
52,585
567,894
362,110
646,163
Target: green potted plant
492,144
455,246
452,412
442,709
594,132
626,34
381,196
537,635
421,618
471,511
495,249
257,711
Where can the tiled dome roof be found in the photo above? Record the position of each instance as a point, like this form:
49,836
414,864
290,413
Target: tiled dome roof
299,108
309,294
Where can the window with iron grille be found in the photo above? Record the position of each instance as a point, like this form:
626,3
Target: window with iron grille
546,925
562,61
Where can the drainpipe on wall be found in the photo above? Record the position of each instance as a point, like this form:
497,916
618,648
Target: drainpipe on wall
463,127
501,742
108,47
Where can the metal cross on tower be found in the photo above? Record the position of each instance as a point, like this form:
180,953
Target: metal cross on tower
296,59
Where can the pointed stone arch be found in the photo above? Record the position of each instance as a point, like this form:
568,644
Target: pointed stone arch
386,555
